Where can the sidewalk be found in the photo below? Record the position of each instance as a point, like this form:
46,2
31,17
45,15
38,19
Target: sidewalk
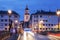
3,35
56,34
13,37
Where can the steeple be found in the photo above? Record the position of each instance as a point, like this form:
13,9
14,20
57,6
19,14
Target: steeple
26,10
26,15
26,7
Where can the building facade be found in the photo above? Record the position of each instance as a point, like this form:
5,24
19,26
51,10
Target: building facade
43,20
4,20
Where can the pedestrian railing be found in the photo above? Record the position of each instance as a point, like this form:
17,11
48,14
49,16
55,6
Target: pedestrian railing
4,34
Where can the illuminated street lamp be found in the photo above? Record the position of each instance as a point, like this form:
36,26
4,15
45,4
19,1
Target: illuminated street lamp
9,13
16,21
41,21
58,14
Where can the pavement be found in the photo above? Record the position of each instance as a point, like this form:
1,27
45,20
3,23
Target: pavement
13,37
32,37
54,34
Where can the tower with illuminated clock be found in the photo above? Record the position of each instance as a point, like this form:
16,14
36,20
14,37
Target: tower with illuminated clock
26,17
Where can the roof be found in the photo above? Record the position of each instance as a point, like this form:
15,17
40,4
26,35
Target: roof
44,13
26,13
5,12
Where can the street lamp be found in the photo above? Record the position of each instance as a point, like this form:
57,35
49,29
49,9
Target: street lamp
9,13
58,14
16,21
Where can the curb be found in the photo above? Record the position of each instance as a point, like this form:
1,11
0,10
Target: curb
6,37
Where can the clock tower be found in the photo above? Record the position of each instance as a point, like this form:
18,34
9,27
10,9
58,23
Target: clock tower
26,15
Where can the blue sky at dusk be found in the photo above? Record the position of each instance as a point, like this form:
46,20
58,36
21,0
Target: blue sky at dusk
19,5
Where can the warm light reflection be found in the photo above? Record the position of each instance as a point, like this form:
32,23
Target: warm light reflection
24,35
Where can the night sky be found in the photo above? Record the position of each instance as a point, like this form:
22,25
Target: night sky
19,5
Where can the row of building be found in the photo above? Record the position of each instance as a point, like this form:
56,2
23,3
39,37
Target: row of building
39,19
4,19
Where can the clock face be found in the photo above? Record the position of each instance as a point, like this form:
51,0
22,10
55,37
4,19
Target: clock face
27,17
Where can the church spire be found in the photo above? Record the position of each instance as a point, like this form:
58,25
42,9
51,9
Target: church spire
26,15
26,10
26,7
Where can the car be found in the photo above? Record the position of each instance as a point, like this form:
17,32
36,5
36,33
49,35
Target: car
27,29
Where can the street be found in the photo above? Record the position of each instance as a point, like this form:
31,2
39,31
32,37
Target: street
35,36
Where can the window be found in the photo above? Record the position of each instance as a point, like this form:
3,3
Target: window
45,20
5,24
16,25
5,20
49,24
46,24
35,16
1,20
35,20
40,15
43,24
15,16
1,24
1,15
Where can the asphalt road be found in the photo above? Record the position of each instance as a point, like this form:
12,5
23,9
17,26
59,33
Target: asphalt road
28,36
33,37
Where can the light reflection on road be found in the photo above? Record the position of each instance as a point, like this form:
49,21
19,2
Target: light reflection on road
30,36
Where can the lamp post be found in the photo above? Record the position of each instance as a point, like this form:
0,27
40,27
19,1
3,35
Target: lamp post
16,23
58,14
9,13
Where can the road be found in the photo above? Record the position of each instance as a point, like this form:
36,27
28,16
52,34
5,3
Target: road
34,36
37,37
